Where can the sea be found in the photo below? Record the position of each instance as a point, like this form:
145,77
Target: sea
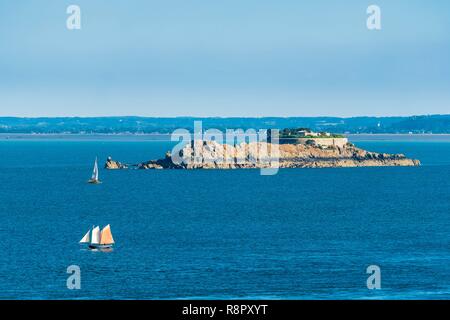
221,234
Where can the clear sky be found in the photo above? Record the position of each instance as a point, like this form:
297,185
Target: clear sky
224,58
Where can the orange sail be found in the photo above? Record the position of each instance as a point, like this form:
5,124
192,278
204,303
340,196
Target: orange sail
106,236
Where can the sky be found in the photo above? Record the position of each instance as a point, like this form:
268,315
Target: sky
242,58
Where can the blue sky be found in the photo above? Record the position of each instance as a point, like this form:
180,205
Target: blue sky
224,58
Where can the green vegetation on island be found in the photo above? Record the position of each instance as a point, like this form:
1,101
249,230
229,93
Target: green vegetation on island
307,133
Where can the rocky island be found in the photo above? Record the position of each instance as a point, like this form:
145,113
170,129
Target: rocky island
309,150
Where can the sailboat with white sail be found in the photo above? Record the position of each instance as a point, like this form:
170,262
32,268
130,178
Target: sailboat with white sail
96,239
94,178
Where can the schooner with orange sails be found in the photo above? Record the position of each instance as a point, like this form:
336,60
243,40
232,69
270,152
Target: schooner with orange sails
97,239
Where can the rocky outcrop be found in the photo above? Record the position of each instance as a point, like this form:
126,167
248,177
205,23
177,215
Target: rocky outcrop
212,155
165,163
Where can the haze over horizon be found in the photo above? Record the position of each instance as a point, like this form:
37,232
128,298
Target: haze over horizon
226,117
224,59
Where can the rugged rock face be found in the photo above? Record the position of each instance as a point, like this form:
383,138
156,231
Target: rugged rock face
212,155
111,164
294,156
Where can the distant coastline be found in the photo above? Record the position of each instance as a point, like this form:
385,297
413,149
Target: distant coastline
421,124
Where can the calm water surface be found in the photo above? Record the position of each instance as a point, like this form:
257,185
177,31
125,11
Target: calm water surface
301,234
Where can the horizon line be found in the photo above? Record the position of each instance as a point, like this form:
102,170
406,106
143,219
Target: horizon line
227,117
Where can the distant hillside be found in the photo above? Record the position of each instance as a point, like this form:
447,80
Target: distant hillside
414,124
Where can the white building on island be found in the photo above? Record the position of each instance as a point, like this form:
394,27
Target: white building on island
322,139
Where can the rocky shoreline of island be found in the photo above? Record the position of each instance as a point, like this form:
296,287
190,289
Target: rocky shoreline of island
212,155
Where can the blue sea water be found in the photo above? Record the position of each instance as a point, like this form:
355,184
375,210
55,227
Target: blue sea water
301,234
